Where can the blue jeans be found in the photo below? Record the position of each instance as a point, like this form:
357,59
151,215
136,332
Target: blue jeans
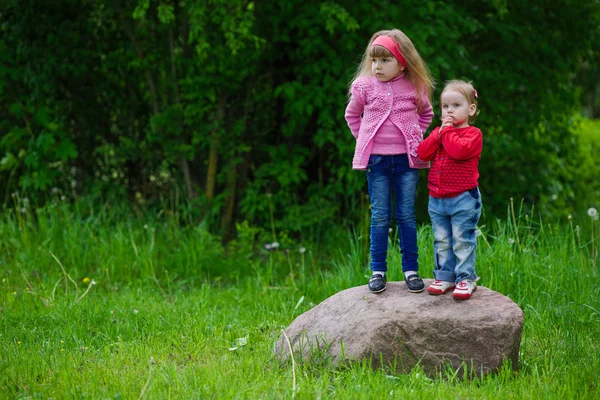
387,174
454,221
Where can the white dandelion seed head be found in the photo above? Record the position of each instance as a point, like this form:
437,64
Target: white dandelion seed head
592,212
268,246
239,342
274,245
135,311
242,341
23,210
478,232
570,217
302,250
511,241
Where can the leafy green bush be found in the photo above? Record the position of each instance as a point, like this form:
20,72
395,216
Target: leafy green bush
587,171
225,102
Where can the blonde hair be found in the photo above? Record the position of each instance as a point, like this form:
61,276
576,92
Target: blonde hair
416,71
465,88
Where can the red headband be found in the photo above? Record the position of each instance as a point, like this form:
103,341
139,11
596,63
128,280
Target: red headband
392,46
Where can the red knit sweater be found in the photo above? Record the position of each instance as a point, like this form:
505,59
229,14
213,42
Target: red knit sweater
454,160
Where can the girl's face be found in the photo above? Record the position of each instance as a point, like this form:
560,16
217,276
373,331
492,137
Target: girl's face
386,68
456,106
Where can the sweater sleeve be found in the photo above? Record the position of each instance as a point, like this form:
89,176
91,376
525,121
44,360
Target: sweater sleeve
354,111
426,113
462,146
428,147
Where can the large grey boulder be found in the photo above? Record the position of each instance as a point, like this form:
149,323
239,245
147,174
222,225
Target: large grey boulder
401,329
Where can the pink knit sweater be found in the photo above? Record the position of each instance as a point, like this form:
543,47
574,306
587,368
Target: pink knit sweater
372,102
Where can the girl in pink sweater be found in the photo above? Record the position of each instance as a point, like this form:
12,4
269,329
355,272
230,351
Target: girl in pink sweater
388,111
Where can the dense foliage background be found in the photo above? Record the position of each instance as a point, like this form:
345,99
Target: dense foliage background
232,111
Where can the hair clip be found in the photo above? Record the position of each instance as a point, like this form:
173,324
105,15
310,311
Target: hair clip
475,93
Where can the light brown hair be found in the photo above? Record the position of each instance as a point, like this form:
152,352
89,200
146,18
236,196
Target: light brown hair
465,88
416,70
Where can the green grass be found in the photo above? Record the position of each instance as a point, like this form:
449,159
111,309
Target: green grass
174,314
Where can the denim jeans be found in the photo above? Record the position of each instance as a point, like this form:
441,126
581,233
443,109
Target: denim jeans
454,221
389,174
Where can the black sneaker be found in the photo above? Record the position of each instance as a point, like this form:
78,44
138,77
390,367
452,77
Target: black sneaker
377,283
415,283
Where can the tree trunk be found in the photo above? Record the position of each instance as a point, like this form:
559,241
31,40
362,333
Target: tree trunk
185,165
227,217
213,154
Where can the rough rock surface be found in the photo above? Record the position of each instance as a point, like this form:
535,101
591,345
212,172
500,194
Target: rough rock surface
403,329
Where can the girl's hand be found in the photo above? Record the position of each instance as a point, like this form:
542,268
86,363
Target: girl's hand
447,121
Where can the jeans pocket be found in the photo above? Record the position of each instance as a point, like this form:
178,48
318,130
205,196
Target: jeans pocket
476,197
474,193
374,160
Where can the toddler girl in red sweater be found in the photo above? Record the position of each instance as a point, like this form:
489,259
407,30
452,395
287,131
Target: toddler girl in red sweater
454,149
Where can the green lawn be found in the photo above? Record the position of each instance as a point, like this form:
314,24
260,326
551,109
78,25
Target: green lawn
173,314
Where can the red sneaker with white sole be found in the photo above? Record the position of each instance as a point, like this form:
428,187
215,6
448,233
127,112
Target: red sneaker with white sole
464,289
440,287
